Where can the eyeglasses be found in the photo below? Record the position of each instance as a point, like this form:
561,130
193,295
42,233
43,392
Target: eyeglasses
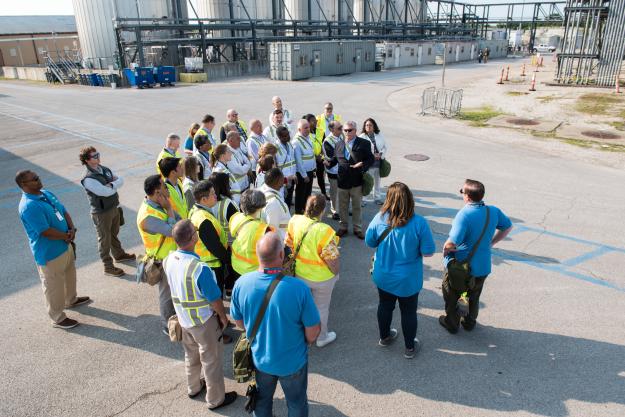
33,179
95,156
461,191
348,130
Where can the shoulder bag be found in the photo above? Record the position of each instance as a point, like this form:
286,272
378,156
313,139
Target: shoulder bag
383,236
289,263
242,362
458,273
385,166
150,269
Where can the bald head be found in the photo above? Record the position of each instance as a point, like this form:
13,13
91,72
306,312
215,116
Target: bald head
277,102
303,127
256,126
270,250
232,115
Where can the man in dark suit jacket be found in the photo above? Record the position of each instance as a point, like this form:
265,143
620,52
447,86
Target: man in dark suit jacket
354,157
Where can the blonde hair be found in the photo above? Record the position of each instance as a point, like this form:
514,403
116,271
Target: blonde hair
193,129
218,152
268,148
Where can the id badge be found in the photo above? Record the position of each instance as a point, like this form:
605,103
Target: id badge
59,215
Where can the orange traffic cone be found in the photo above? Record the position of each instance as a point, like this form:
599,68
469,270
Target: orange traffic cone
533,85
523,71
507,73
500,81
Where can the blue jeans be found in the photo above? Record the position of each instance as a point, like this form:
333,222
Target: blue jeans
294,387
408,308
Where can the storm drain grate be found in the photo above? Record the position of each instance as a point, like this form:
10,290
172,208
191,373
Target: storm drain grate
522,122
600,134
416,157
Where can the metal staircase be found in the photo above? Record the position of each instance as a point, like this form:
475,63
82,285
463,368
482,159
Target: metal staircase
64,70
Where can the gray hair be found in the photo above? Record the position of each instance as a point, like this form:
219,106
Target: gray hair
268,248
334,124
231,127
230,111
183,232
252,201
351,123
232,134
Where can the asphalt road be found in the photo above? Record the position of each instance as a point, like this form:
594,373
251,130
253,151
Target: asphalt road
550,340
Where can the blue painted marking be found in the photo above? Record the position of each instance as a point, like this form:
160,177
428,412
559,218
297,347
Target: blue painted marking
601,250
572,238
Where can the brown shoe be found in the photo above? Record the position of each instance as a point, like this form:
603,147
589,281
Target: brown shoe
66,324
341,232
359,234
114,272
126,257
79,301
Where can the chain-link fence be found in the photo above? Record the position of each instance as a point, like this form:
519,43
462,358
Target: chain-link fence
441,100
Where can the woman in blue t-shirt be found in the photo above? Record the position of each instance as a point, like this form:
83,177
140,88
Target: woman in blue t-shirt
401,238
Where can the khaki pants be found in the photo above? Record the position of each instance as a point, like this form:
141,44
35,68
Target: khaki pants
334,193
58,280
203,356
355,195
107,227
322,294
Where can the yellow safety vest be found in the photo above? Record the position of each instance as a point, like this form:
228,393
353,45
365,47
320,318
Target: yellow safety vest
304,144
191,307
308,263
152,241
198,215
220,210
246,231
164,154
177,201
241,125
202,131
321,130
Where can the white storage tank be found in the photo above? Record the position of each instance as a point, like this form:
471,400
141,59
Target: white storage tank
94,23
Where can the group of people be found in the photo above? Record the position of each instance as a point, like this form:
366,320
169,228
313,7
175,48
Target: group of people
218,215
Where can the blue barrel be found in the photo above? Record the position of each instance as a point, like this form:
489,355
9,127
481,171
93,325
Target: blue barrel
166,75
93,80
130,76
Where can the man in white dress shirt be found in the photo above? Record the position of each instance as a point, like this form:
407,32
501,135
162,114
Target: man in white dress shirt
240,164
288,118
276,212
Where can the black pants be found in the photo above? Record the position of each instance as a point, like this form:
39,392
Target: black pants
408,308
230,275
221,278
303,190
321,175
289,195
451,297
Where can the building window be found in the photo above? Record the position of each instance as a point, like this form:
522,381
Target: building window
411,51
13,52
450,49
390,53
429,51
462,50
367,56
339,58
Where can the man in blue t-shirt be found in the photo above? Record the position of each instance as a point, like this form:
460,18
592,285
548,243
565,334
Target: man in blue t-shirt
51,232
290,323
463,236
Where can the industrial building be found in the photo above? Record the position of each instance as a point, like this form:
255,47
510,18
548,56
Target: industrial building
236,36
28,40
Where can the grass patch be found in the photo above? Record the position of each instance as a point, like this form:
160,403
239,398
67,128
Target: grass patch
517,93
479,116
586,144
596,103
577,142
547,99
618,125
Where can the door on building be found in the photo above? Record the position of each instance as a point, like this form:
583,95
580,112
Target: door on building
316,63
457,53
358,60
472,52
419,54
397,52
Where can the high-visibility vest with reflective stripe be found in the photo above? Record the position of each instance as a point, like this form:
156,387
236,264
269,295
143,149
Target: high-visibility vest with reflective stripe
220,211
308,263
332,141
165,154
286,159
235,189
182,271
204,132
198,215
246,231
177,200
308,151
152,241
322,127
242,126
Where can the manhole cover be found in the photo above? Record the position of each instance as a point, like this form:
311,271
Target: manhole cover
600,134
522,122
417,157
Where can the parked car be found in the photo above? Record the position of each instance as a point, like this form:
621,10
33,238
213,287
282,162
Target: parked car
543,47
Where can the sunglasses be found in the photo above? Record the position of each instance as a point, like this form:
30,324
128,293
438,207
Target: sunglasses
348,130
461,191
33,179
95,156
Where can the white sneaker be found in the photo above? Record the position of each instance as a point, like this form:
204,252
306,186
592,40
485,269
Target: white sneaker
331,337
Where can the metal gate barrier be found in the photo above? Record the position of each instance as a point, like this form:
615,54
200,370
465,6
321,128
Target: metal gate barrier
444,101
